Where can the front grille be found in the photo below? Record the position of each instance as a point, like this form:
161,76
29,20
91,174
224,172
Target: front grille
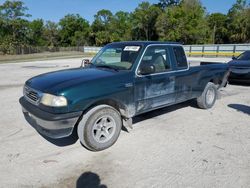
31,95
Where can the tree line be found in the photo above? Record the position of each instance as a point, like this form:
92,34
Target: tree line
185,21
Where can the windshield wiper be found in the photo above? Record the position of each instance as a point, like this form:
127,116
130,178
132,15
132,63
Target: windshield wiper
108,67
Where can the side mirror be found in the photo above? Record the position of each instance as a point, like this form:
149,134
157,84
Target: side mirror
146,69
85,62
233,58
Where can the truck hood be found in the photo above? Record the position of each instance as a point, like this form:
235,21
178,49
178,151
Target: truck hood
53,81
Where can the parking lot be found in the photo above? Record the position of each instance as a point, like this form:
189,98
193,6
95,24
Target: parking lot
178,146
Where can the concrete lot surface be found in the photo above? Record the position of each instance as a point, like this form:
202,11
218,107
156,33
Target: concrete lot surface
178,146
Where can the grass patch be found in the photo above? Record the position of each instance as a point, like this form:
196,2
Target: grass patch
42,56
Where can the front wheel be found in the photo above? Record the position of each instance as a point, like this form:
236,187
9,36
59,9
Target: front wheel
208,97
99,128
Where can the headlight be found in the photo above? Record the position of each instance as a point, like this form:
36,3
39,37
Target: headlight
52,100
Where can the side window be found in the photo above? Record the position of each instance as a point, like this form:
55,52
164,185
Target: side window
158,56
180,57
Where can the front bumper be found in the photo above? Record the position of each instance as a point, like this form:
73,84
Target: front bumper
48,124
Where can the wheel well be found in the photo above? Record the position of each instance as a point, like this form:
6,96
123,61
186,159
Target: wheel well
216,81
121,108
109,102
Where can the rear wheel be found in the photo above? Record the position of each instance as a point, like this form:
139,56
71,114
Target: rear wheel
99,128
208,97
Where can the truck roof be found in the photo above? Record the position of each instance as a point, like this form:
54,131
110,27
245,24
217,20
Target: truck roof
146,43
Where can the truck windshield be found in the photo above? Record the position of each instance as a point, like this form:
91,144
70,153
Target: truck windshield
119,57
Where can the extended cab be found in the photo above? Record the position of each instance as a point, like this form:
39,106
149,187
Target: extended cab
123,80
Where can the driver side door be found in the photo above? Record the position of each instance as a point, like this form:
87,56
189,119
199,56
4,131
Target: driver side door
155,89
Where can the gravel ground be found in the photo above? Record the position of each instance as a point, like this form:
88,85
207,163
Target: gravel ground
178,146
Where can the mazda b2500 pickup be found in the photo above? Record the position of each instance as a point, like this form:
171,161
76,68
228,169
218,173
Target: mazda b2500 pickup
123,80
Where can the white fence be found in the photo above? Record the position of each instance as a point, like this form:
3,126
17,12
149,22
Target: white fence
208,50
91,49
218,50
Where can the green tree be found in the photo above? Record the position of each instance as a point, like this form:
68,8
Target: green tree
121,27
185,23
51,34
102,20
35,33
74,30
218,27
14,26
102,27
143,21
247,12
238,21
166,3
12,10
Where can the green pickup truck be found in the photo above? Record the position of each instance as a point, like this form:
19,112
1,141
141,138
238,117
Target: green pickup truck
123,80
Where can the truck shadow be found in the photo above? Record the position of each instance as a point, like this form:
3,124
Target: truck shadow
161,111
240,108
61,142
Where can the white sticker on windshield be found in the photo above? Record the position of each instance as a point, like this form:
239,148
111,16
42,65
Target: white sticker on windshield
131,48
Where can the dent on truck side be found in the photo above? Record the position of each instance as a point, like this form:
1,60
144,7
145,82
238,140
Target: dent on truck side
155,95
126,108
212,73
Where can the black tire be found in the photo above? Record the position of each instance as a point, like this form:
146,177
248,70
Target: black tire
205,101
91,135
